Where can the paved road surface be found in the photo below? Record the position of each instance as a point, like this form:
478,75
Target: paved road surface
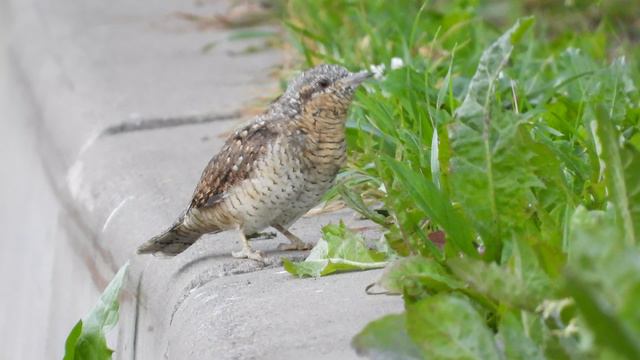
28,217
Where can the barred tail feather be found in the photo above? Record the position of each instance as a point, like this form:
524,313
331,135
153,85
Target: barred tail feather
170,243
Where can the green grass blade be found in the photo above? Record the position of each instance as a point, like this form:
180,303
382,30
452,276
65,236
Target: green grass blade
354,201
437,206
435,158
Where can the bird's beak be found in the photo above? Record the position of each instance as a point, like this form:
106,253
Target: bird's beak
356,79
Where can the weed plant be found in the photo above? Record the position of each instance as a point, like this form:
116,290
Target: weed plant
501,156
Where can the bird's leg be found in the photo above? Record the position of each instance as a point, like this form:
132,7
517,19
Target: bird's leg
247,252
296,243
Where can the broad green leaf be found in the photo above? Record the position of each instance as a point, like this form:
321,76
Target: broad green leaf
436,205
496,282
491,172
603,275
517,345
608,328
92,345
339,250
492,61
622,186
526,268
87,339
72,339
386,339
413,272
594,239
449,327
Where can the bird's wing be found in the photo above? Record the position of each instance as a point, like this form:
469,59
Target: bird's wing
234,163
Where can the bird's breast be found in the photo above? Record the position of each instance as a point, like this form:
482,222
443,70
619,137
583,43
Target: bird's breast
286,182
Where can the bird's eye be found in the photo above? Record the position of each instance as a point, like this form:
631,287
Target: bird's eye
324,83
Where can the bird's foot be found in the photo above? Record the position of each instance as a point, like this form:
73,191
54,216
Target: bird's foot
294,246
294,242
262,236
248,253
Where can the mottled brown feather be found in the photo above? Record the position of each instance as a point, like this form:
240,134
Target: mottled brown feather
234,163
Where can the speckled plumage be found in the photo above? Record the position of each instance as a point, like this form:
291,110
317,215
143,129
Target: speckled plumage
274,169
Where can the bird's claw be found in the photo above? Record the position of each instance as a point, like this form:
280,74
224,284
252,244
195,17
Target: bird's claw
248,254
294,246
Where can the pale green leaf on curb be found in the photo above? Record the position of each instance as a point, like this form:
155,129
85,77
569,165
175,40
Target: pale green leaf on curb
87,339
386,339
340,249
448,327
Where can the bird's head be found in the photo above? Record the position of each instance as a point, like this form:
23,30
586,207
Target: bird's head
325,90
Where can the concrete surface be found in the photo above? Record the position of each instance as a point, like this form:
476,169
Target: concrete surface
28,218
125,111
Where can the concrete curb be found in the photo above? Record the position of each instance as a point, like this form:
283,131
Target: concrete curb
130,111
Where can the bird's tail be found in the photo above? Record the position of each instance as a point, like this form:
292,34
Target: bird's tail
171,242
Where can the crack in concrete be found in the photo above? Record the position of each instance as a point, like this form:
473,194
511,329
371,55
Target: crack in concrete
166,122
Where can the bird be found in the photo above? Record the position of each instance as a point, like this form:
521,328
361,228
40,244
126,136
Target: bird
273,169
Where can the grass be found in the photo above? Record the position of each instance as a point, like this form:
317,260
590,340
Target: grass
517,138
